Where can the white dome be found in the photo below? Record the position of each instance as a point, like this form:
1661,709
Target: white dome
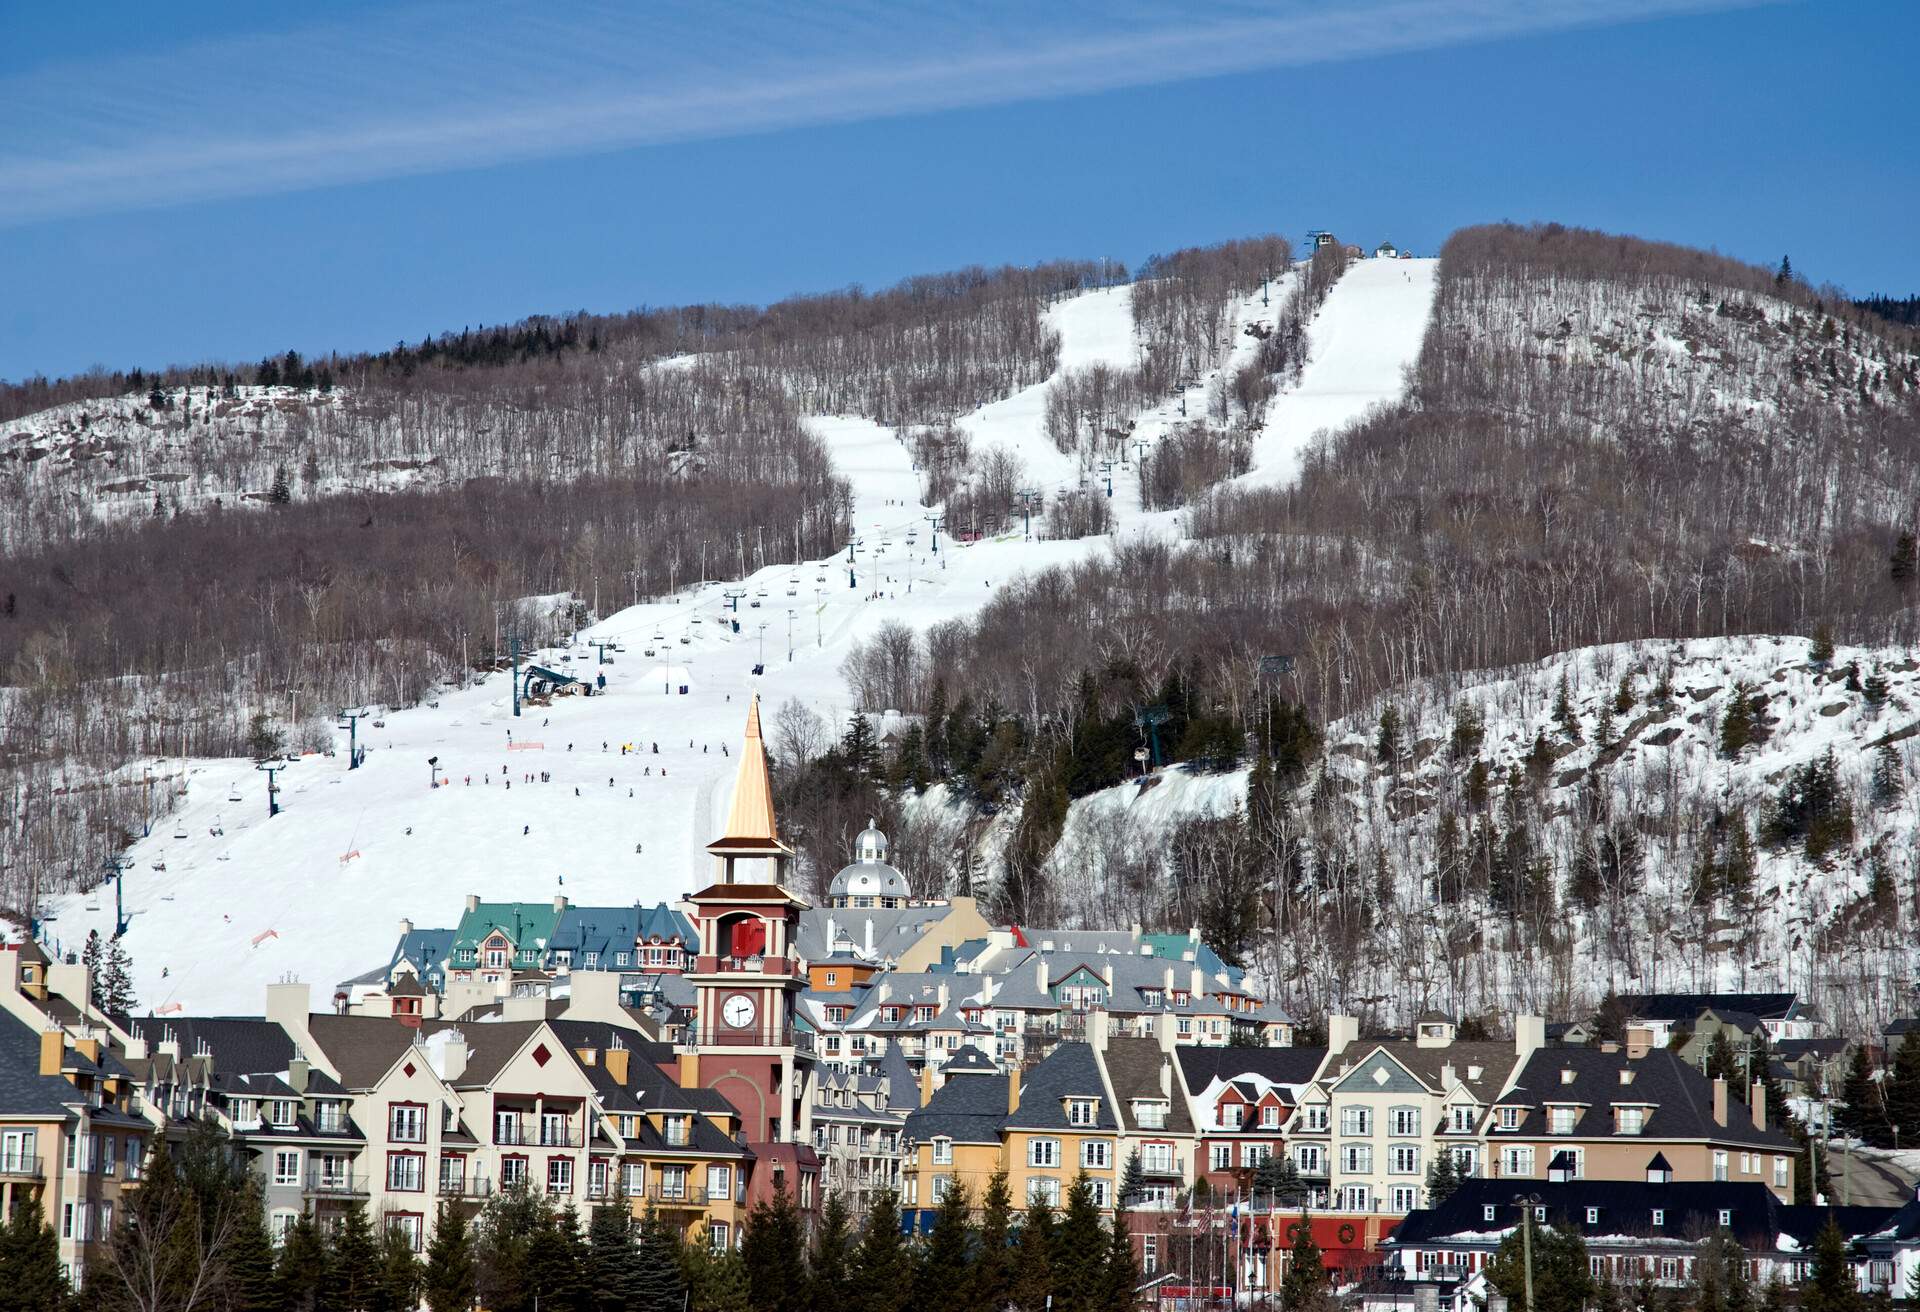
869,876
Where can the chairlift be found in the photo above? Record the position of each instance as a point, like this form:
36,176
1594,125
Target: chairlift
161,866
686,639
179,829
233,794
93,906
819,578
379,724
658,636
649,651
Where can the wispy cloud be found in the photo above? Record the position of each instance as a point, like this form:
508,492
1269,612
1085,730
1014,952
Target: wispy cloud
436,87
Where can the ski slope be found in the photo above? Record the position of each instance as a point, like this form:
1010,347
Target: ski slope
222,900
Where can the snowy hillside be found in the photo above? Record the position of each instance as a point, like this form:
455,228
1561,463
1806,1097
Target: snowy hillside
223,900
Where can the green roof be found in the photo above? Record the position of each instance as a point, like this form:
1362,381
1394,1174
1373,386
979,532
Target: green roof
528,926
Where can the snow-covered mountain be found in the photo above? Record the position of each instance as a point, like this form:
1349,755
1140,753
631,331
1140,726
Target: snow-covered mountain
223,900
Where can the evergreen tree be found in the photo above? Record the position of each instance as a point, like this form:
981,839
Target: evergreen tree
859,749
715,1281
882,1267
1623,695
250,1278
1564,713
1720,1276
93,955
556,1263
1562,1281
1889,776
305,1277
993,1269
399,1285
310,472
1304,1286
1862,1114
1079,1253
1784,274
1722,1062
1903,565
1387,740
1813,808
1603,730
1442,1178
773,1250
1830,1288
1278,1179
1033,1260
613,1259
1737,866
1122,1270
354,1256
448,1281
115,989
282,491
1875,688
1469,731
1820,651
503,1244
944,1281
31,1274
1901,1089
1738,722
828,1272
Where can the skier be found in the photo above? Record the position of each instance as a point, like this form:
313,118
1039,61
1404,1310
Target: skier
525,830
576,792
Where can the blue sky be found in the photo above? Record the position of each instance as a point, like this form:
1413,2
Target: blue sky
217,181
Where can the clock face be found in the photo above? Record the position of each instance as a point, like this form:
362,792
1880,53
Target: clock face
738,1011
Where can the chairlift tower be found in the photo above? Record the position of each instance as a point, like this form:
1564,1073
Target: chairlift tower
116,868
937,521
352,719
1027,497
1106,471
733,596
273,789
790,618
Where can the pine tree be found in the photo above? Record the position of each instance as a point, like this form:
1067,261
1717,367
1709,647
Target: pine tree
281,492
1720,1276
1122,1271
1831,1286
715,1281
1304,1287
310,472
1033,1260
1079,1253
448,1281
1442,1178
1901,1089
556,1263
304,1275
1469,731
398,1289
1737,723
613,1259
1738,863
1889,777
1564,713
944,1281
1722,1062
93,955
1820,650
1861,1114
882,1268
993,1269
32,1278
354,1256
828,1273
1784,274
1603,730
116,985
1903,565
1562,1279
250,1281
1387,744
773,1251
1623,695
1133,1180
660,1285
1876,689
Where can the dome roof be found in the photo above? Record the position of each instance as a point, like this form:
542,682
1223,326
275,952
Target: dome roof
869,875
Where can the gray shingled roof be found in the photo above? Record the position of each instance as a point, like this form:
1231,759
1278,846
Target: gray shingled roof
1682,1097
966,1109
240,1045
1069,1071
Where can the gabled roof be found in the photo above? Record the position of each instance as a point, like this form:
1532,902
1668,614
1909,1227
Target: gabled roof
1688,1006
1134,1067
238,1045
528,926
1200,1066
1482,1067
965,1058
1069,1071
26,1092
663,923
1681,1098
967,1110
903,1093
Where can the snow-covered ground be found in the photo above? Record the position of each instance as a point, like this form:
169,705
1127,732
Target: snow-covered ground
223,900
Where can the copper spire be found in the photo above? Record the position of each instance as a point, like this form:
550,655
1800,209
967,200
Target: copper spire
751,818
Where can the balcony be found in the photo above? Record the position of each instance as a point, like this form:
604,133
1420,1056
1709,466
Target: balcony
465,1187
753,1037
1167,1168
709,965
677,1196
21,1166
336,1184
535,1136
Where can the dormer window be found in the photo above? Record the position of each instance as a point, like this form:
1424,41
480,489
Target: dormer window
1460,1119
1230,1114
1593,1216
1486,1212
1726,1216
246,1112
1082,1111
1659,1217
1560,1120
1509,1118
1269,1117
1150,1114
1629,1120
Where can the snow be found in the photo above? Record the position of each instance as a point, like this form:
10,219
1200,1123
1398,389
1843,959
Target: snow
1361,344
317,892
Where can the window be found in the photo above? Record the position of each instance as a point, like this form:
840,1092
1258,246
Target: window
408,1226
1043,1152
673,1182
1726,1216
1460,1119
1405,1198
1307,1159
134,1151
596,1179
1659,1216
1316,1117
1102,1193
1593,1216
1157,1158
278,1225
328,1117
633,1179
1252,1154
1560,1119
559,1175
717,1236
1404,1122
1669,1269
246,1113
281,1111
1081,1111
553,1130
286,1166
405,1172
407,1123
1356,1159
496,957
66,1221
506,1127
1486,1212
943,1152
1509,1118
1096,1154
1230,1114
1269,1117
1403,1159
1719,1163
19,1152
1150,1115
1630,1120
453,1174
1220,1157
1465,1161
513,1170
1043,1189
1149,1254
674,1130
719,1182
1356,1120
1517,1160
1780,1173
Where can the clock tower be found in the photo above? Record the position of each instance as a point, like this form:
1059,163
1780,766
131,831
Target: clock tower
744,1042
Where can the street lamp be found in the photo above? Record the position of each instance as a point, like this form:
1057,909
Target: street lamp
433,772
1527,1203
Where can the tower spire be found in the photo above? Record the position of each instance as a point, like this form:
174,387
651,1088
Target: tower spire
751,818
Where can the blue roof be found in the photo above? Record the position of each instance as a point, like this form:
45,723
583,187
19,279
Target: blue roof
426,950
664,923
602,930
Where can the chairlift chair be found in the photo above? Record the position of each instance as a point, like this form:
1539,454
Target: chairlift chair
233,794
179,829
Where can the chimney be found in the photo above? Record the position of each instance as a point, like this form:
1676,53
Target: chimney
288,1004
1529,1035
406,927
1013,1089
1166,981
136,1049
297,1071
1166,1077
1097,1028
869,937
617,1057
88,1046
71,981
1040,973
829,934
452,1051
1134,930
1720,1102
1342,1033
1639,1042
53,1050
1165,1031
1757,1103
689,1077
1197,985
1107,971
559,903
926,1084
1447,1079
1193,935
473,902
992,983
